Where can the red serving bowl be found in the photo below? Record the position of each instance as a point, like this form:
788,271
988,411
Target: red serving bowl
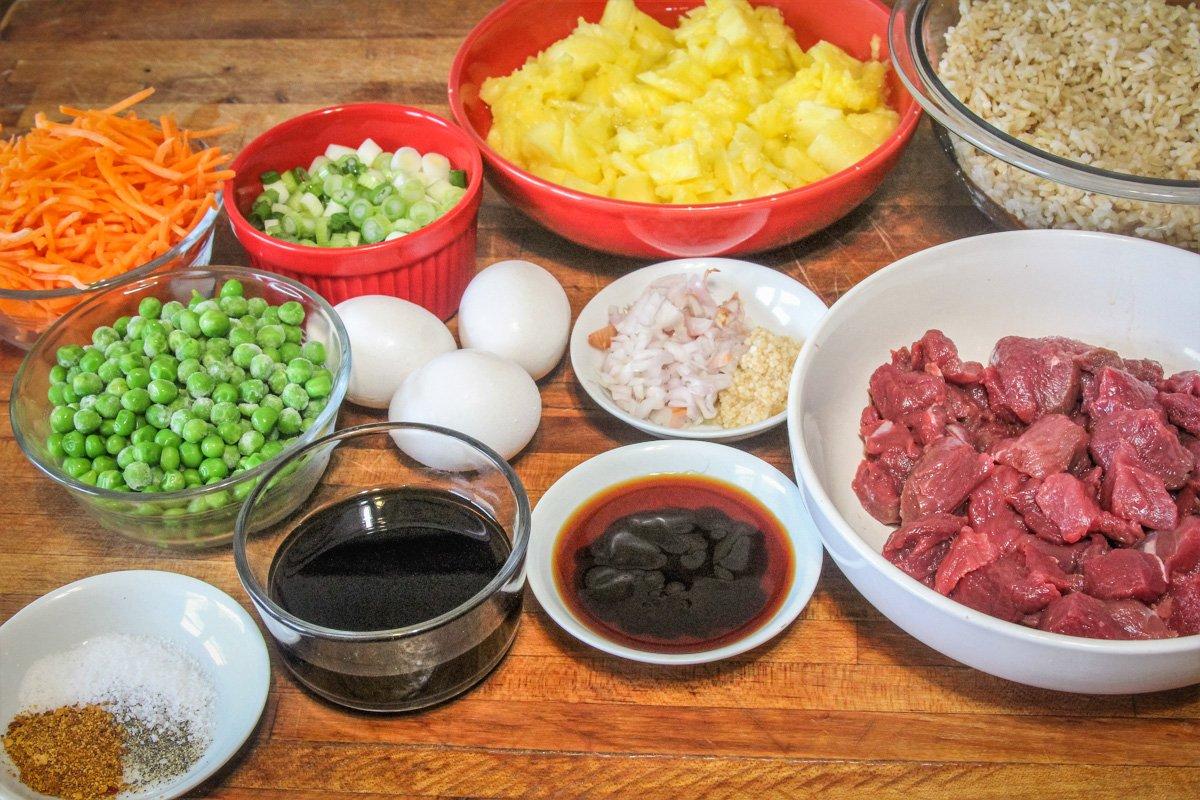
521,28
430,267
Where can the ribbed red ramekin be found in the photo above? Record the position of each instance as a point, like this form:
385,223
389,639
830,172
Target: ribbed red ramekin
430,267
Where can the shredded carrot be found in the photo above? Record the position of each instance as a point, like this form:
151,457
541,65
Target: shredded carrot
84,200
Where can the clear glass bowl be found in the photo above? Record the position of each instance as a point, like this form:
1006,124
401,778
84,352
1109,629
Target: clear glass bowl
419,665
1014,183
203,516
25,314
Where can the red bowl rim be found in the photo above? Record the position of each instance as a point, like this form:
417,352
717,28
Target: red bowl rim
242,226
896,141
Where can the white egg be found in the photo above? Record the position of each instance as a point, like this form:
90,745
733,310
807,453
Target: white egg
517,310
389,338
487,397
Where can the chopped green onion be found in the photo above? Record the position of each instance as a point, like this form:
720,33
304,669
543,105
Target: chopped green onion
458,177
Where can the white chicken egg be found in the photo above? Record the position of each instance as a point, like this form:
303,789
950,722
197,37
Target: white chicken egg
483,395
517,310
389,338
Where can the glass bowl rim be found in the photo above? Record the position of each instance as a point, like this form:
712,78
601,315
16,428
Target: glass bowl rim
337,395
513,564
923,83
202,229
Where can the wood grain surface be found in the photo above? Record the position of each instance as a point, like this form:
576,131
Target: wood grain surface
842,705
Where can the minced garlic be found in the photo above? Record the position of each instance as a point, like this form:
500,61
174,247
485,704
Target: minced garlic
760,382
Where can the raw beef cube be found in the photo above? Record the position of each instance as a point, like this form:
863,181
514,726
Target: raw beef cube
971,550
1180,549
1068,557
1187,382
1135,494
893,445
1155,445
896,392
1121,531
1122,574
1005,589
936,354
987,506
1181,606
1033,377
1182,409
1045,567
1116,390
868,421
1050,445
940,482
964,407
1024,501
919,548
928,424
878,491
1069,504
1144,369
1083,615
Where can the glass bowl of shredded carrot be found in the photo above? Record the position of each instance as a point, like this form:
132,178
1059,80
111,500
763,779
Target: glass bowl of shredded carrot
99,197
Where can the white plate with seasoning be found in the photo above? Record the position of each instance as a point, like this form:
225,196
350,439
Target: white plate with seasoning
213,633
659,477
771,300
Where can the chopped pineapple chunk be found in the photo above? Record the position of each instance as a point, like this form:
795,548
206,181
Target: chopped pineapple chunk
725,106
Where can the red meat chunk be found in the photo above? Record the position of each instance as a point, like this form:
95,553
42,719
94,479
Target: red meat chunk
936,354
893,444
1117,390
878,491
987,506
1156,446
1183,410
918,548
1123,574
1069,504
948,471
1181,607
1137,495
971,550
1045,567
1079,614
1187,382
1068,557
1050,445
897,392
1180,549
1030,378
1144,369
1121,531
1006,588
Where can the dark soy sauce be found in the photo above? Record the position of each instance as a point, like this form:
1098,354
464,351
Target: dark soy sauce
673,563
387,559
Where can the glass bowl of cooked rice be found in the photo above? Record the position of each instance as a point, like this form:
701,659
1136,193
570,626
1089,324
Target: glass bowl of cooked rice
1077,114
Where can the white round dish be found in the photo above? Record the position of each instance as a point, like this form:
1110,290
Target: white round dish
1134,296
772,300
204,621
753,475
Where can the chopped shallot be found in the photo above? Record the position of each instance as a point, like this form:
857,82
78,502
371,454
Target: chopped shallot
672,351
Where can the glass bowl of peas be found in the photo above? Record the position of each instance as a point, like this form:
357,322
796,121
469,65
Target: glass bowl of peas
160,403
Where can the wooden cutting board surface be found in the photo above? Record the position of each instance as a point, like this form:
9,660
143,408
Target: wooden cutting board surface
842,705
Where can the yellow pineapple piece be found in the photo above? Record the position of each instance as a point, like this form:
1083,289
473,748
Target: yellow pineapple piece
839,146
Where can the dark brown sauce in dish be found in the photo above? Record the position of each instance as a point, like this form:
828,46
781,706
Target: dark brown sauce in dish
386,559
673,563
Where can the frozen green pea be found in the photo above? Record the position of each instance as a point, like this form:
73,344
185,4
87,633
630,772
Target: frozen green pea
194,430
167,437
315,407
86,383
192,476
158,415
107,405
291,313
162,391
224,412
230,432
91,360
187,368
109,479
270,336
202,407
54,445
213,469
244,354
179,418
190,455
289,418
69,396
133,330
264,419
73,444
219,371
68,355
232,288
213,323
252,390
115,350
144,433
136,400
188,321
137,475
277,381
164,368
224,393
242,490
212,446
115,443
147,452
107,428
55,394
273,352
246,409
261,366
117,386
121,325
154,344
138,378
241,335
251,442
173,481
109,371
58,373
86,420
105,335
273,402
76,466
314,351
189,349
288,350
103,462
88,477
218,347
131,361
62,419
168,459
200,384
93,445
233,306
237,375
257,306
320,384
125,457
170,310
231,456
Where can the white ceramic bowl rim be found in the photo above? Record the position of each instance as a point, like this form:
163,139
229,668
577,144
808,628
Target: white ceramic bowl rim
807,551
807,473
703,432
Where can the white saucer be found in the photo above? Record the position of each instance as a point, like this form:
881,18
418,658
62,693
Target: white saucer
749,473
203,620
772,300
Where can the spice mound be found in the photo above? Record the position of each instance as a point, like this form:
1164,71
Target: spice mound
116,713
760,383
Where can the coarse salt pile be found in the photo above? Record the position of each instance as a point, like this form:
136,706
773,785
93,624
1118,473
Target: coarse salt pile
161,695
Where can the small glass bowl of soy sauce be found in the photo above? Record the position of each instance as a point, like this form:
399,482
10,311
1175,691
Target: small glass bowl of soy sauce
397,585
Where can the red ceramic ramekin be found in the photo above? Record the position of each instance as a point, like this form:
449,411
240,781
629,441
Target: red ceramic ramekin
430,267
519,29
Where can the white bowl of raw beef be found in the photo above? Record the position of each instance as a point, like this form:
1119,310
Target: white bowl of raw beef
1128,295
